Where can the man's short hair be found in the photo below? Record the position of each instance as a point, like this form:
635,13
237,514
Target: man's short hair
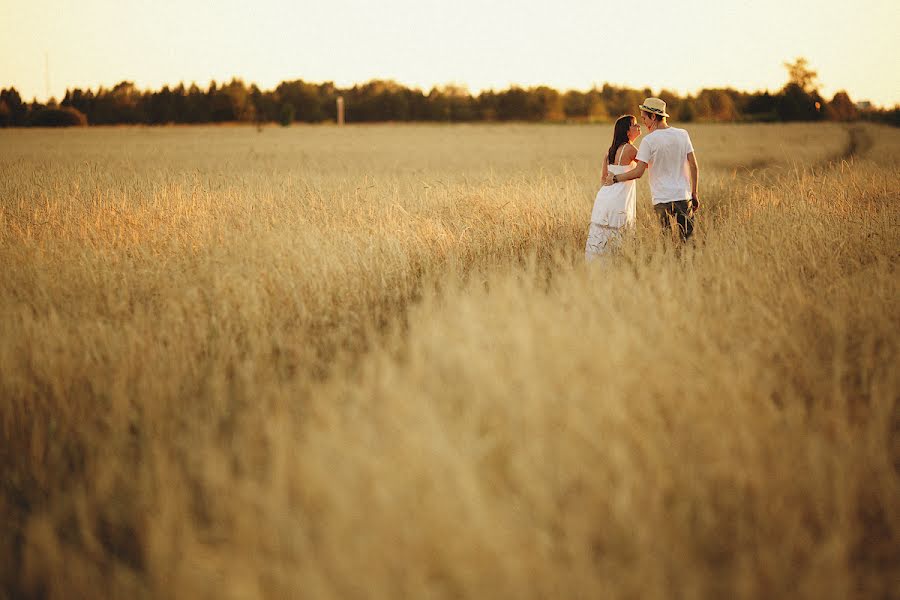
653,116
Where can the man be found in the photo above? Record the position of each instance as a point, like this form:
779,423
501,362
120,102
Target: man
674,174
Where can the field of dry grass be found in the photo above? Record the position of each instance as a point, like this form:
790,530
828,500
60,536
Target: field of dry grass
369,362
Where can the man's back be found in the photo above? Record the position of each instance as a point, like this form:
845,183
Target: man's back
665,152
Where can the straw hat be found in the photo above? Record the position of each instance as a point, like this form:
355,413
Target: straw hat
655,106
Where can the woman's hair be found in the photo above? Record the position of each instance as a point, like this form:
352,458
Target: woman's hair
620,135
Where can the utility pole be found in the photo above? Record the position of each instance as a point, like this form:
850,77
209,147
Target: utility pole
340,110
47,75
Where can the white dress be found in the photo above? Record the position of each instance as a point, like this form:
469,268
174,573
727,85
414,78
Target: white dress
614,211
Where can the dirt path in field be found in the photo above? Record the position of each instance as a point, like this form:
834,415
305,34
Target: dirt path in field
860,142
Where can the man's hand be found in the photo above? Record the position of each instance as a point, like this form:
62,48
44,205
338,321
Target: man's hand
608,180
695,203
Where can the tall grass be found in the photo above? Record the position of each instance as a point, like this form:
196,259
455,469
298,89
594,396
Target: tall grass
369,362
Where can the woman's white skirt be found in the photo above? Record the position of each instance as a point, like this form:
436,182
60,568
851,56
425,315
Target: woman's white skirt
601,239
614,211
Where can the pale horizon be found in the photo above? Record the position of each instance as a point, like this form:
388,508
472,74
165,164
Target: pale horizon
575,45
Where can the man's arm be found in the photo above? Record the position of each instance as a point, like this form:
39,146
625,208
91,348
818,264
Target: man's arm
634,173
695,173
695,180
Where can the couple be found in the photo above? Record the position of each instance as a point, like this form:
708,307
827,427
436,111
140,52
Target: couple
674,176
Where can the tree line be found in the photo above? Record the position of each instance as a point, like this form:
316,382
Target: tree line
385,100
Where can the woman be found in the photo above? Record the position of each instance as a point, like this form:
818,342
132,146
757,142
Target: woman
614,207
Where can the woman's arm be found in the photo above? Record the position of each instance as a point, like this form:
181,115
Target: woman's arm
605,170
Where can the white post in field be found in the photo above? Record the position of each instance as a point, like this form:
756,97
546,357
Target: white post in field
340,110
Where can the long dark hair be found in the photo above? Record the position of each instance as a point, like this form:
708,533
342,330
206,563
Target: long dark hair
620,135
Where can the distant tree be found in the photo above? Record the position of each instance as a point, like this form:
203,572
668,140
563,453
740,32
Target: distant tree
286,115
686,111
795,104
384,100
487,105
241,107
761,107
79,100
265,108
328,95
219,104
891,117
597,108
512,105
801,75
584,106
179,103
459,102
125,103
718,105
545,104
304,97
438,106
418,105
841,108
103,110
703,109
575,105
197,106
160,107
799,99
15,110
622,101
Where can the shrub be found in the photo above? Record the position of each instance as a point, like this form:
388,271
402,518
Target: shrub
65,116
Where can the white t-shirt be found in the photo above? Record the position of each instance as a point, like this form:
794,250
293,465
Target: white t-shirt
665,152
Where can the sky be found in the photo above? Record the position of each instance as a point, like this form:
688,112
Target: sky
481,44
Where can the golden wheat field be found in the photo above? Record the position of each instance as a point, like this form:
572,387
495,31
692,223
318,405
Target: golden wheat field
370,362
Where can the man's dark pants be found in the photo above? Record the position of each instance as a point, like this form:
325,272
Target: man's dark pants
678,215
